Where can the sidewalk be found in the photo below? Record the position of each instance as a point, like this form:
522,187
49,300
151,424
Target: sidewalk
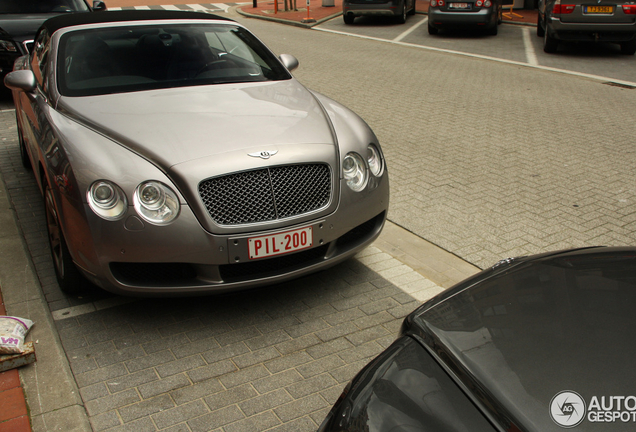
54,403
13,411
319,12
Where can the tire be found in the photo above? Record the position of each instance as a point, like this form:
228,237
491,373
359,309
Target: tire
401,19
540,28
432,30
628,48
348,18
492,31
550,44
69,278
24,156
412,11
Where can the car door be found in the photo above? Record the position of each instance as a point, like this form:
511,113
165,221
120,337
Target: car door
34,105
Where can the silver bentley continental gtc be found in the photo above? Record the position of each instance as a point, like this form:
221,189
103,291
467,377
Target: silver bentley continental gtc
178,155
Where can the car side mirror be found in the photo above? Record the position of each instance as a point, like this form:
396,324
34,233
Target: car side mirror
289,61
23,80
99,5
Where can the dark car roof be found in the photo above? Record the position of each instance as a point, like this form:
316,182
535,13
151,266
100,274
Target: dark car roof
535,327
62,21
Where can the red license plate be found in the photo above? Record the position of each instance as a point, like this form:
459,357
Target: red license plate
280,243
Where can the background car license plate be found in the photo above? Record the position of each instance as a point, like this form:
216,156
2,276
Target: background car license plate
599,9
458,5
280,243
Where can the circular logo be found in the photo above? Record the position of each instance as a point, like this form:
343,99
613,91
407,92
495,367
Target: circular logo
567,409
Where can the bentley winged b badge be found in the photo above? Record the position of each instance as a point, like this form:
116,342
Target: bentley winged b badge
264,154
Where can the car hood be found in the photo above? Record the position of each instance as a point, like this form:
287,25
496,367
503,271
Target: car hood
531,330
178,125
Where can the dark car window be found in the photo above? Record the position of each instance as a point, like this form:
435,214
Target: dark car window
125,59
41,6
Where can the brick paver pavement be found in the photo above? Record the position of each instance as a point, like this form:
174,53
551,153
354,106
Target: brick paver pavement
486,160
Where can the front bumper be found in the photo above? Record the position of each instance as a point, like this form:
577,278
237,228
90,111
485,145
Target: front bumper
442,19
182,258
591,32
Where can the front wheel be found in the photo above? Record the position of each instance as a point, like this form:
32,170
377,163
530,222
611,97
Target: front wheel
68,276
412,11
540,28
550,44
628,48
401,19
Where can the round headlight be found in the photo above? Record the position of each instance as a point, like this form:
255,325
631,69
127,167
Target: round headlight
355,171
152,195
107,200
374,159
156,203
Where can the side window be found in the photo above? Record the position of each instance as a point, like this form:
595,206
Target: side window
39,57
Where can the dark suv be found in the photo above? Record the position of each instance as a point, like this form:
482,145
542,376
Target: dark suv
587,20
20,20
391,8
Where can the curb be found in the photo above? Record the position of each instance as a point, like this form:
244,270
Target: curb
14,416
285,21
52,397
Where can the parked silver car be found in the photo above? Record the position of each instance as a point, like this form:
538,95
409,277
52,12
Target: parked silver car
390,8
177,155
579,20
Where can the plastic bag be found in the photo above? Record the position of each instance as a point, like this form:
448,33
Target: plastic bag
13,330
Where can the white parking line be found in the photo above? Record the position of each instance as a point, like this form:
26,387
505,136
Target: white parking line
87,308
483,57
222,6
399,274
531,56
409,31
197,7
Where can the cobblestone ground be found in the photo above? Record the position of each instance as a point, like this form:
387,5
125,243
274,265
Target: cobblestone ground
487,160
274,359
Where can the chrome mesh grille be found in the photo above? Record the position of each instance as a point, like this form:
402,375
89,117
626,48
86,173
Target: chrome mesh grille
266,194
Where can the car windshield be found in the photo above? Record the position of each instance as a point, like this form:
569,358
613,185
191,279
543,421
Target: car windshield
135,58
41,6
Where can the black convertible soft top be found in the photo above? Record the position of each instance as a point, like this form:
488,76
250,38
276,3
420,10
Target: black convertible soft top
72,19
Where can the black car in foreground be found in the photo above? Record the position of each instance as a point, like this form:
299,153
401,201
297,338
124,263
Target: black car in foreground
541,343
21,19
